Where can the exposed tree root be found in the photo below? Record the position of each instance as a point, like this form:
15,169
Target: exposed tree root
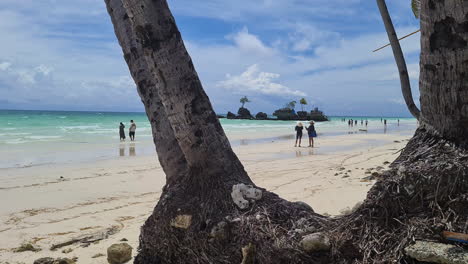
424,193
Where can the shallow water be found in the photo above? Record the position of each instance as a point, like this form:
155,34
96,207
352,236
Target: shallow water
31,138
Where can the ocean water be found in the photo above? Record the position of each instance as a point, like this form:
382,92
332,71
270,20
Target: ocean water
31,138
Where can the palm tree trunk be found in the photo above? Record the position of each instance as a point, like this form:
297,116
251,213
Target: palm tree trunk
399,59
170,155
444,69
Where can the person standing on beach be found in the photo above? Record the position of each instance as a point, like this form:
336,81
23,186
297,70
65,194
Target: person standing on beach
122,131
132,130
366,122
298,129
385,122
312,133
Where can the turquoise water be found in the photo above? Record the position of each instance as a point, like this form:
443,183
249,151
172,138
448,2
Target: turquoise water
29,138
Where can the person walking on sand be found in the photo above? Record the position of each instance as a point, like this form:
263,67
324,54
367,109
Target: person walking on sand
312,133
298,129
132,130
122,131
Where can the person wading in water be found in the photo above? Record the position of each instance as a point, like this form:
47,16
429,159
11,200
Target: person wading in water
312,133
122,131
298,129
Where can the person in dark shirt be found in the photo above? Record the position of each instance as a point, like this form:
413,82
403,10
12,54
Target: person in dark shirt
312,133
122,132
298,129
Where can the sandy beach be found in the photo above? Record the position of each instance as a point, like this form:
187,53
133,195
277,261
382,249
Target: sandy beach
108,200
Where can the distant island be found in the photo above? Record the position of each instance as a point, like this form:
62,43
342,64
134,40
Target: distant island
285,113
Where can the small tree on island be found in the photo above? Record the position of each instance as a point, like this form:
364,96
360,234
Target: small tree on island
291,105
244,100
303,102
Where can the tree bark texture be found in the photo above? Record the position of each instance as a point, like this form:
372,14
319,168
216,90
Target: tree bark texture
189,111
169,153
399,59
444,68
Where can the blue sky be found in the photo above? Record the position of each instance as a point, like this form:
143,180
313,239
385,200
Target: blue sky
63,55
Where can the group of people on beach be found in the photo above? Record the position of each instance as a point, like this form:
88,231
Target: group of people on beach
352,122
310,131
131,131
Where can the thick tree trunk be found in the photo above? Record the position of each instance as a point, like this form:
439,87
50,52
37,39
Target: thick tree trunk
444,68
169,153
399,59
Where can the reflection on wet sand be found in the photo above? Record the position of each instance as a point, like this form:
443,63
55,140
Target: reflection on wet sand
122,150
300,153
131,150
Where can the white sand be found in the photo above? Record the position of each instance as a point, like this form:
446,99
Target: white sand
37,207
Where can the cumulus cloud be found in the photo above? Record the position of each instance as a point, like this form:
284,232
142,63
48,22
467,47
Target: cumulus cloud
250,43
254,80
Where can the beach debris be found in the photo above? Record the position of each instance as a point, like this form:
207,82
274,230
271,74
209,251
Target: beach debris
64,261
386,162
396,141
456,237
119,253
315,242
248,254
220,231
46,260
345,176
66,251
241,192
26,247
437,253
182,221
88,239
98,255
124,239
304,206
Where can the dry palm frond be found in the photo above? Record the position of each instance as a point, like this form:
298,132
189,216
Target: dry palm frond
416,7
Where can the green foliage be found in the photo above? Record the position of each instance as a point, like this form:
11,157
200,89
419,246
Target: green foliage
291,105
303,102
416,7
244,100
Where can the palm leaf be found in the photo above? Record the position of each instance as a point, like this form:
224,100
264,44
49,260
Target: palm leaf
416,7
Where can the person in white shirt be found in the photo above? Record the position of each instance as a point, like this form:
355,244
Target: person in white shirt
132,130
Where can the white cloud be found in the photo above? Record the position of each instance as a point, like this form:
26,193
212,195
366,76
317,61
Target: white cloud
398,101
250,43
254,80
305,36
5,65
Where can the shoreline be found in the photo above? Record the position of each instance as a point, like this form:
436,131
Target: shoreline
118,194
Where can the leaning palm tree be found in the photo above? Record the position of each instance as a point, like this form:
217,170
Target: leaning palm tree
210,211
399,59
